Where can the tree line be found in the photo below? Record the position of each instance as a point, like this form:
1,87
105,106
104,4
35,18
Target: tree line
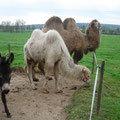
104,30
19,26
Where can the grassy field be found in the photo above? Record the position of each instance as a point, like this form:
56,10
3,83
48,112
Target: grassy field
110,104
17,41
80,108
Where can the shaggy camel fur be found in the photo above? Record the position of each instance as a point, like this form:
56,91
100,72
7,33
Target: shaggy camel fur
50,49
74,39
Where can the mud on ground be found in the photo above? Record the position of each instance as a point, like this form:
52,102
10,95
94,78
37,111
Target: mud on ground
27,104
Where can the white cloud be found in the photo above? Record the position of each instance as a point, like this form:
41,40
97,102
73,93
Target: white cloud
38,11
88,4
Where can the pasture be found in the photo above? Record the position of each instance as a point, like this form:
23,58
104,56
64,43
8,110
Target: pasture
80,107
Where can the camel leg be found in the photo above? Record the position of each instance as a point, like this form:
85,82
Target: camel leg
41,67
33,75
33,72
77,56
44,86
56,73
29,70
49,66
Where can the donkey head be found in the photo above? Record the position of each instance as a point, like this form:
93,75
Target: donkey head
5,72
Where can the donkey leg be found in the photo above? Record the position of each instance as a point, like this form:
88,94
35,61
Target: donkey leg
29,69
5,105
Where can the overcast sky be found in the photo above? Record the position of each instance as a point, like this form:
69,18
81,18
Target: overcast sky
38,11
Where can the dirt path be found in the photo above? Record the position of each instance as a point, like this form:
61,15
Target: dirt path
27,104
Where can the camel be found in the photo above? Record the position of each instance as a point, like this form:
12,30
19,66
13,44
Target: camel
76,42
49,48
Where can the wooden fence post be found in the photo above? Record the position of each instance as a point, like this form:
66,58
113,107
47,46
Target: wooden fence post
93,63
9,48
100,86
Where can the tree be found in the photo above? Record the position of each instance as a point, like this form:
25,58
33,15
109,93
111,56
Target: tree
19,25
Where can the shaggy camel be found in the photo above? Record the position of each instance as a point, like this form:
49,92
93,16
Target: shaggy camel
50,49
74,39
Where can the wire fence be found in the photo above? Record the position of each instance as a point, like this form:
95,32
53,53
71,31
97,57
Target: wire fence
17,48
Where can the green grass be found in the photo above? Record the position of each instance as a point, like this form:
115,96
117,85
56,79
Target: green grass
17,41
80,108
110,102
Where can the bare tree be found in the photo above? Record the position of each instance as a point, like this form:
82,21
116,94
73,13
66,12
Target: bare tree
19,25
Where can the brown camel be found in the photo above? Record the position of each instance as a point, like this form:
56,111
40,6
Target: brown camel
76,42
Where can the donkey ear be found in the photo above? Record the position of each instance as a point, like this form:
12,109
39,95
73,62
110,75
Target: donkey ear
10,59
0,57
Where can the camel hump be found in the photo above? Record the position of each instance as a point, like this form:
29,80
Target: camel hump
69,22
53,20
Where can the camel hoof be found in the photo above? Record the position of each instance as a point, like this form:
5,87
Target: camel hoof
59,91
49,78
35,79
34,87
45,91
74,88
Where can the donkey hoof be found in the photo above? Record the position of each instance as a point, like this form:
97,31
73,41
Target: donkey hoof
45,91
9,115
59,91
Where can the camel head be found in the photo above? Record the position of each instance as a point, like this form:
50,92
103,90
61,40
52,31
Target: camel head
95,25
83,73
92,37
86,75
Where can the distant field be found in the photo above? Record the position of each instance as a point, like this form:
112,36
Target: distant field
109,51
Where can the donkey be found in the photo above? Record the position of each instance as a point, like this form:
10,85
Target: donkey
5,76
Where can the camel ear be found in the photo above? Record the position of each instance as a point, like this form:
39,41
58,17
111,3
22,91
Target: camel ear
11,58
83,70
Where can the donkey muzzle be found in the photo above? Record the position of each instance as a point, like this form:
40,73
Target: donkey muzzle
6,88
